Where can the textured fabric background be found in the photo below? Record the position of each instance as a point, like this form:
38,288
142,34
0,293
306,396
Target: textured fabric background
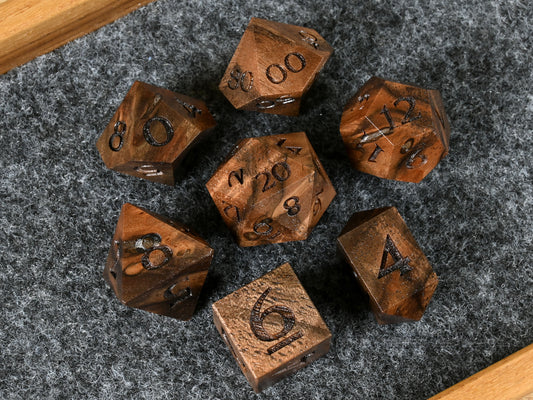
64,334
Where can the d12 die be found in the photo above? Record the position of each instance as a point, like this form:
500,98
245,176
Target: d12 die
156,264
395,131
389,265
271,189
273,67
271,327
151,132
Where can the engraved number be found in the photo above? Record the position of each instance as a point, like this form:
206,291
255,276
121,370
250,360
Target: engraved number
294,62
244,80
176,298
401,263
407,117
119,131
416,153
309,38
266,104
281,171
257,318
262,229
237,175
294,208
148,133
191,109
149,243
294,149
237,216
375,154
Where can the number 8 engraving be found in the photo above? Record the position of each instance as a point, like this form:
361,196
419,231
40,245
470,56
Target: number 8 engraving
119,131
257,318
149,243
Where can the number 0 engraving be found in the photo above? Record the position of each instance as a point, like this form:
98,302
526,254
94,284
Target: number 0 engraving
148,133
257,318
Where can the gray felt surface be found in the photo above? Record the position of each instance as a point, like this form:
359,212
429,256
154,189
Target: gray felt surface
63,333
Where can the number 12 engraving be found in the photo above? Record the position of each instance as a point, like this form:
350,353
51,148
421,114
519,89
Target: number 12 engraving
257,318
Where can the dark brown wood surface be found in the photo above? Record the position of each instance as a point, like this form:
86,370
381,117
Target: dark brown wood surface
274,65
395,131
156,264
271,189
271,327
151,132
388,264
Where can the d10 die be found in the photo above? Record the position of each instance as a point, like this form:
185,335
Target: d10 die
271,327
273,67
152,131
389,265
271,189
156,264
395,131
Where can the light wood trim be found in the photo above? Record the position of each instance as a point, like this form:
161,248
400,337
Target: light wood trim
30,28
510,378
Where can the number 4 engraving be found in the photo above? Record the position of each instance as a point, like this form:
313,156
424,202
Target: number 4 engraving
401,263
257,318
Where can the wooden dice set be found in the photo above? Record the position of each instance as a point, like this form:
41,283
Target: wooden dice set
273,189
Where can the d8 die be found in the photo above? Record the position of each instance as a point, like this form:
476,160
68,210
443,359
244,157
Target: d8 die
389,265
273,67
156,264
395,131
271,189
152,131
271,327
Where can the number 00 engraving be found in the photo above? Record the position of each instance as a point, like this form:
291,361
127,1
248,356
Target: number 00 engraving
257,318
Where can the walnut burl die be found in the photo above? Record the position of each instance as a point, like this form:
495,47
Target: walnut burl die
395,131
271,189
274,65
152,131
271,327
388,264
156,264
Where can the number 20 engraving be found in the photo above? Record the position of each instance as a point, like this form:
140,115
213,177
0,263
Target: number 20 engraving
257,318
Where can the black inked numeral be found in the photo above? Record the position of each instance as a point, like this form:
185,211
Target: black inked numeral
118,132
294,62
148,170
266,104
177,298
149,243
148,133
309,38
190,108
293,149
280,171
375,154
244,80
400,263
237,215
416,153
388,116
407,117
294,208
257,318
237,175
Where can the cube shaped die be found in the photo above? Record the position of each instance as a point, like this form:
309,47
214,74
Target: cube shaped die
271,327
389,265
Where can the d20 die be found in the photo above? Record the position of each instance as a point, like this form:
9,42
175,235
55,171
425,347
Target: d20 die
395,131
389,265
271,327
273,67
271,189
156,264
152,131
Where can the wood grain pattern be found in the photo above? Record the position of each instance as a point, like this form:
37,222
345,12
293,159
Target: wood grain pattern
388,264
156,264
30,28
271,189
395,131
274,65
508,379
271,327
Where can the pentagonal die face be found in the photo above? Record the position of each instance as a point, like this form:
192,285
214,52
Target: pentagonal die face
395,131
271,189
151,131
273,66
155,264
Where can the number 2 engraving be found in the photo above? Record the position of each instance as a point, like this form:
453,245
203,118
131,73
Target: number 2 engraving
281,171
257,318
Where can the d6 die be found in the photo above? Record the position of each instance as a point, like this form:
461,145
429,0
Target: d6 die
156,264
395,131
271,189
151,132
273,67
268,348
389,265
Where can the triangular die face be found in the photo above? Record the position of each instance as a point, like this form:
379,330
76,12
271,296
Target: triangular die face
360,218
295,145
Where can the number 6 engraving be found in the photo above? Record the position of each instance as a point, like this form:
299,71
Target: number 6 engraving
257,318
